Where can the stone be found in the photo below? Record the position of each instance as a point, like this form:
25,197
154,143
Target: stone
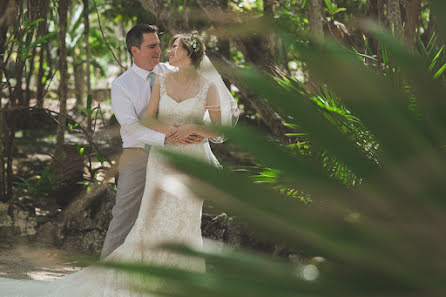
86,233
5,218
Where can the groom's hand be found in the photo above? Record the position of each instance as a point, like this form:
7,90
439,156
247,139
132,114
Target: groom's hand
172,135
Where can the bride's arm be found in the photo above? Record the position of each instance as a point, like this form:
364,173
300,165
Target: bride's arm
213,107
152,111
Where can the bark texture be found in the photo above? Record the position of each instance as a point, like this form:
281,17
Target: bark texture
413,12
394,17
63,90
315,18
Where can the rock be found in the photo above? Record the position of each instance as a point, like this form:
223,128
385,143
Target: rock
86,242
86,232
24,220
234,233
5,218
68,172
46,234
16,224
231,231
214,228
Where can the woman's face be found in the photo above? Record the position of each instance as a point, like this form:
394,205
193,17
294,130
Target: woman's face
177,54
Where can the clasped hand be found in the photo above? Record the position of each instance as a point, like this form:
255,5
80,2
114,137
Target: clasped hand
182,134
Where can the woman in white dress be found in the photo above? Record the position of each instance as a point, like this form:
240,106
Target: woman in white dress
181,102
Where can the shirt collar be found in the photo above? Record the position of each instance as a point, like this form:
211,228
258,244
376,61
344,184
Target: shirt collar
144,73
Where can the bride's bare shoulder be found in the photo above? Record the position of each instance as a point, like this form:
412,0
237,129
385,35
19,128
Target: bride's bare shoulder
204,80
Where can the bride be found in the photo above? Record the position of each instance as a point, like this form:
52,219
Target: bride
181,102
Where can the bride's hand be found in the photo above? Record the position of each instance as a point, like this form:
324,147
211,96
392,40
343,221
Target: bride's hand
184,131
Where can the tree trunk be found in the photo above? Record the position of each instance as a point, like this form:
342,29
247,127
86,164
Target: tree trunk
87,54
17,94
224,44
269,117
33,14
316,33
59,154
40,74
256,49
186,15
413,12
2,158
79,82
42,29
315,18
8,11
164,17
381,13
268,7
394,17
28,76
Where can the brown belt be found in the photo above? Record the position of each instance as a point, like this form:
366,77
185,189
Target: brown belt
136,149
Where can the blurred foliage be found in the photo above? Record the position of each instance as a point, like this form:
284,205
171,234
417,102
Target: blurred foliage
366,154
42,186
370,152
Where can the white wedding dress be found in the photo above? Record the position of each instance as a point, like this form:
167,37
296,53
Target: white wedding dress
163,217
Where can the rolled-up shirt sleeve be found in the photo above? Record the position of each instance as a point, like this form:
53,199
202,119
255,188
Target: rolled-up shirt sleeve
132,132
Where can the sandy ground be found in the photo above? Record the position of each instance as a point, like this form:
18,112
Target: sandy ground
36,263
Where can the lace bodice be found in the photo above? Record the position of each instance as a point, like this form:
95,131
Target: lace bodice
188,111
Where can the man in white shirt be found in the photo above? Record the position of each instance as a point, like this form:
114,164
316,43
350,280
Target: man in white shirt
130,94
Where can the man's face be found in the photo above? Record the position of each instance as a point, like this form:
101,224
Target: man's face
148,55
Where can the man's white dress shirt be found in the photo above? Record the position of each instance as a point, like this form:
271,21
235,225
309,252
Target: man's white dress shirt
130,94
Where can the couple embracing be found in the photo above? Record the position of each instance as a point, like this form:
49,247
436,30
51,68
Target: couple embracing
178,99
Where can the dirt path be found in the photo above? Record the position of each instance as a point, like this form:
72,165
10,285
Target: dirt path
36,263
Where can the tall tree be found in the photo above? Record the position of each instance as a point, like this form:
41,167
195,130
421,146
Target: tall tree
7,9
315,18
87,53
413,12
42,30
33,14
63,85
394,17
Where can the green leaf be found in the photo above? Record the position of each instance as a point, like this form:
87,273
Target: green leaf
429,92
434,61
296,108
330,6
317,227
341,70
100,158
440,71
369,49
340,10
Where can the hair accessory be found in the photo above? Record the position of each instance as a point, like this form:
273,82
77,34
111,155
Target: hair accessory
193,41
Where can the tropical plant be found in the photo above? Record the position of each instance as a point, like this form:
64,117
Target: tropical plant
41,187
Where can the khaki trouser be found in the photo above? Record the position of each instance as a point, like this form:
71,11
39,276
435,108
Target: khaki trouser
131,182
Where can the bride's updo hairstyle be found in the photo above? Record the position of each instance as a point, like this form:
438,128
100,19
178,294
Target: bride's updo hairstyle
193,44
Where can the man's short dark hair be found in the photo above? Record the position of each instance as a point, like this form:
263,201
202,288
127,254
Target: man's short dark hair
135,36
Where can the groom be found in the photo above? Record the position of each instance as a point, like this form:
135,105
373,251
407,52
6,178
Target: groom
130,94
